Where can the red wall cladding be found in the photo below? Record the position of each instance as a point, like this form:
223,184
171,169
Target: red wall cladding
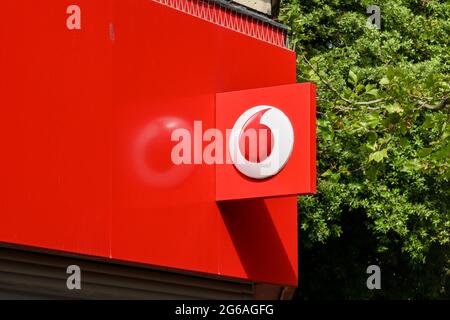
85,122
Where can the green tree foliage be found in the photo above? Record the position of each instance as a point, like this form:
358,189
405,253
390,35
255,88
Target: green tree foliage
383,102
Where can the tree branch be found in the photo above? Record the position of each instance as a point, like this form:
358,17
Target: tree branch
350,102
441,105
425,102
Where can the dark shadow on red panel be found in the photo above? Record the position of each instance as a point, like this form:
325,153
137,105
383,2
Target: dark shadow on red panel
256,240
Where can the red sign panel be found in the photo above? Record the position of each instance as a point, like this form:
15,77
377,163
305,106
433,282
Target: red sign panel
290,173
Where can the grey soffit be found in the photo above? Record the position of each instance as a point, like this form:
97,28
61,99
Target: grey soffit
29,273
39,275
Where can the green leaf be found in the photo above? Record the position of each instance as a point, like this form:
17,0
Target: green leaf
360,87
373,119
410,166
373,92
372,137
378,156
429,122
442,153
353,78
424,152
394,108
384,81
332,176
327,173
372,172
403,142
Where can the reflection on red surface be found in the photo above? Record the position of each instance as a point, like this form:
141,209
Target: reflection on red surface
152,153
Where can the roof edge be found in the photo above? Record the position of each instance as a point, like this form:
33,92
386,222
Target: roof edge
229,4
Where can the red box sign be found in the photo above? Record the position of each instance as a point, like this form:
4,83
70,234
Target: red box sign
86,123
290,173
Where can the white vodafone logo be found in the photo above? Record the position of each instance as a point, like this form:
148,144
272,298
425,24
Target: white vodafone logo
261,142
